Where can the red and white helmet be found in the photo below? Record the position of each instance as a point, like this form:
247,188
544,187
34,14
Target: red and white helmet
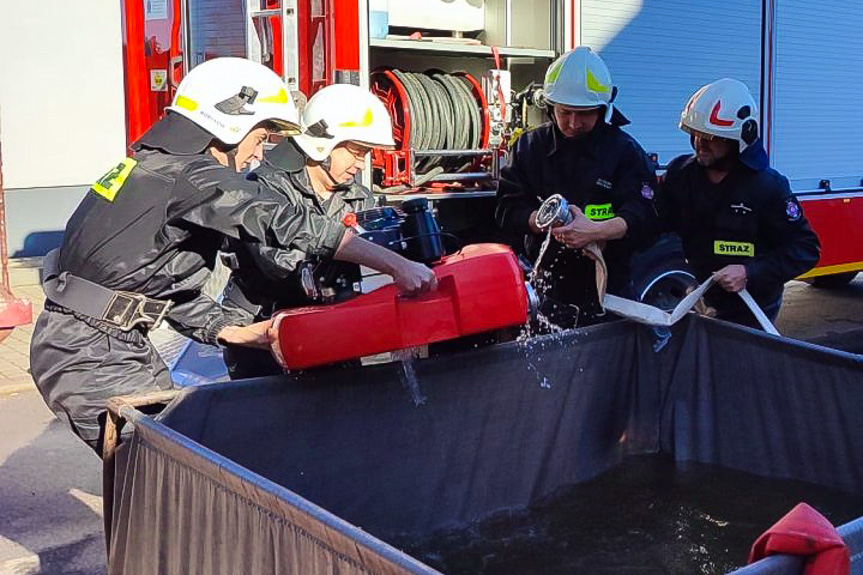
725,109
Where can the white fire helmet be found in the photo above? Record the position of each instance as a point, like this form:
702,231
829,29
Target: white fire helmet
580,79
344,113
725,109
228,97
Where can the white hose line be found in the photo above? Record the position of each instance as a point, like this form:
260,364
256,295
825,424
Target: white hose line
649,315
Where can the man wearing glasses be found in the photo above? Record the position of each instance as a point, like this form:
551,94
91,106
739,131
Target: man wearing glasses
737,217
316,170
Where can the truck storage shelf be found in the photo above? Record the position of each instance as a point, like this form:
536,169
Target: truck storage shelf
457,48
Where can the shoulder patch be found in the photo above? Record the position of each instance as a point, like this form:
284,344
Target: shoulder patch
792,210
110,184
646,191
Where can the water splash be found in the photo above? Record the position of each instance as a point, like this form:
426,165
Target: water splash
540,281
548,325
408,375
542,249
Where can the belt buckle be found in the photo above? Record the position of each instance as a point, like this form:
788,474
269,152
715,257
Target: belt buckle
127,310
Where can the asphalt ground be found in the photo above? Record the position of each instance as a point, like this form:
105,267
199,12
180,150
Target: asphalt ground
829,317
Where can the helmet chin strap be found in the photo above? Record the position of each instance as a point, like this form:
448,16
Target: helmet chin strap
232,158
229,151
337,186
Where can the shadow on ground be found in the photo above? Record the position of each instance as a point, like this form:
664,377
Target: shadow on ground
50,495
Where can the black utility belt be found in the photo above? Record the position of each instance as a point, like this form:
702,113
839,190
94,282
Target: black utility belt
121,309
127,310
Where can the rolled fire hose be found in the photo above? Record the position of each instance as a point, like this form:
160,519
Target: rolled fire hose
444,114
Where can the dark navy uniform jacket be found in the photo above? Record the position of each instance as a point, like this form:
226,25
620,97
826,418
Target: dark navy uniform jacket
749,218
606,174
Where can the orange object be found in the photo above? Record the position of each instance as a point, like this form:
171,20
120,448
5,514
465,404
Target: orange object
350,219
13,311
804,531
480,288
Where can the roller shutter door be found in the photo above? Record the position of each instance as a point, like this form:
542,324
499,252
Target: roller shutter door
817,93
661,51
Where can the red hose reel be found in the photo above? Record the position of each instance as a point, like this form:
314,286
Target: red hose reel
400,167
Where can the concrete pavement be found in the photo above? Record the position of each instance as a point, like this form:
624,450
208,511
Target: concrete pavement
50,482
50,494
830,317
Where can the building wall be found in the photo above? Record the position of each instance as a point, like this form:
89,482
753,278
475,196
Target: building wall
62,112
36,217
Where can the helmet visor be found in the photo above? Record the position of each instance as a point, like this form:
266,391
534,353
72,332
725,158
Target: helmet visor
285,128
570,108
373,145
697,133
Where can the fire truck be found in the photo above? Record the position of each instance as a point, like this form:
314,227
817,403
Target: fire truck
460,77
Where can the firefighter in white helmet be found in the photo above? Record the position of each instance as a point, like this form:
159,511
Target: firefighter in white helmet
142,243
736,216
316,169
603,173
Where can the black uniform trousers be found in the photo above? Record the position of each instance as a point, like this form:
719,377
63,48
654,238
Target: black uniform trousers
79,363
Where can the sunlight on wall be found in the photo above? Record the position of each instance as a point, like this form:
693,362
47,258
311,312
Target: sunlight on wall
616,15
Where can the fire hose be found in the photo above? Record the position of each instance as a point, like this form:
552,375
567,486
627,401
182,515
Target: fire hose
445,114
434,111
555,211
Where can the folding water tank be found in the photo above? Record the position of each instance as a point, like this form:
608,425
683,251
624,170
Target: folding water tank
315,473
